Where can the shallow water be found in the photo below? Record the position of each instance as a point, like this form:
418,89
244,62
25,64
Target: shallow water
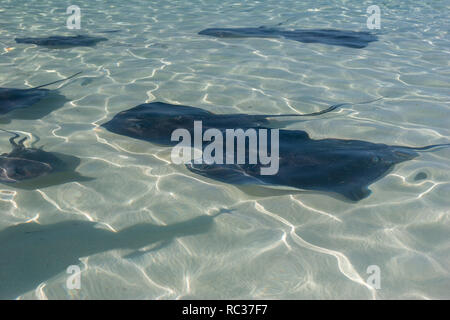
265,244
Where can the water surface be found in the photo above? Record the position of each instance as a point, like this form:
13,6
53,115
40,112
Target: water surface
267,244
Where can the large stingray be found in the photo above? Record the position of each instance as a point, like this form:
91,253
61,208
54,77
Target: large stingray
62,42
351,39
32,168
13,98
345,167
155,121
31,253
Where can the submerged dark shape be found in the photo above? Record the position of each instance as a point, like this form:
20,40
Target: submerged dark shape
345,167
12,98
32,168
155,121
31,253
351,39
62,42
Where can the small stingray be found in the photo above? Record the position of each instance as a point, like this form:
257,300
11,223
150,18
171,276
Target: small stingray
32,168
63,42
350,39
345,167
12,98
155,121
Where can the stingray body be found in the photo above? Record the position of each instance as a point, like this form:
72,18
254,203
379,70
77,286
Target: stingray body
351,39
24,165
155,122
13,98
345,167
62,42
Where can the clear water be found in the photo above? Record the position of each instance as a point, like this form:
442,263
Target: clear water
267,244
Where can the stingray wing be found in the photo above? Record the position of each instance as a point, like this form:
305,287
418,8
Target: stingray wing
11,98
16,169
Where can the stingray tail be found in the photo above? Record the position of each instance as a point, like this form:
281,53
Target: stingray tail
12,139
58,81
333,107
430,147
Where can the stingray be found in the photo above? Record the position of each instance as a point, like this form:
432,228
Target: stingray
32,168
154,122
63,42
350,39
339,166
13,98
32,253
